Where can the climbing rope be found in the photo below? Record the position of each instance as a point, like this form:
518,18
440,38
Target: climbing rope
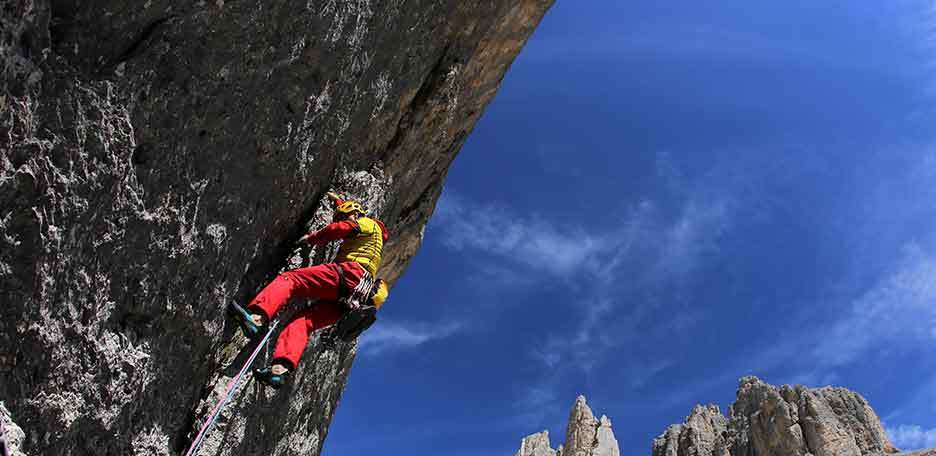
228,394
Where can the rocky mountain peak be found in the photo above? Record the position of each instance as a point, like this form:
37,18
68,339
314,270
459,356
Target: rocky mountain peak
585,436
765,420
536,445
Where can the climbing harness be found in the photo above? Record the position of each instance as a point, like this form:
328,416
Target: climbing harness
229,393
361,312
361,293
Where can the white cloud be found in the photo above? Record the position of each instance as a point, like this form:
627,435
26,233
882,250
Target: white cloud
897,313
386,336
900,309
695,232
918,404
533,408
622,266
529,240
537,400
911,437
586,347
653,257
641,374
641,241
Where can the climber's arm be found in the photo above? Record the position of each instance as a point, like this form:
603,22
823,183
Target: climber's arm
332,232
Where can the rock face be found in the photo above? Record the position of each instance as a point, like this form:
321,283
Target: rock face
585,436
536,445
158,159
704,433
780,421
765,420
11,436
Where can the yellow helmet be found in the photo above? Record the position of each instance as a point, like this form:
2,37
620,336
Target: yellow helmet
348,207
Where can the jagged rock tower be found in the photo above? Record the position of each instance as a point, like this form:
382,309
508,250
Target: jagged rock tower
585,436
767,420
158,159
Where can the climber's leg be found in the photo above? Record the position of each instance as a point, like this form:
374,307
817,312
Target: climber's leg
294,338
314,282
292,341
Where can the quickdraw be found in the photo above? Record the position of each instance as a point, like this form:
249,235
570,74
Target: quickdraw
361,294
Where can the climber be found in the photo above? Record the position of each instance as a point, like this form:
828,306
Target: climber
347,284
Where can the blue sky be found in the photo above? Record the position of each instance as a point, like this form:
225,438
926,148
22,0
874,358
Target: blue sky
659,201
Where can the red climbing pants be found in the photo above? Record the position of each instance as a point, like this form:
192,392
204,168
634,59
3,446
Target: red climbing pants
316,282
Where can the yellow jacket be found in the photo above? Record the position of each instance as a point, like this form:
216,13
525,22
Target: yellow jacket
364,245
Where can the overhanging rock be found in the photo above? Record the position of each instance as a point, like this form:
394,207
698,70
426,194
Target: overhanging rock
159,158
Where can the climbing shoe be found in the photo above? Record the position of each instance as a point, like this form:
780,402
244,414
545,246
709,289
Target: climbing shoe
267,377
247,322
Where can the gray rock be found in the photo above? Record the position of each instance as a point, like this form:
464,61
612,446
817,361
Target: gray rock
704,433
581,430
158,160
605,443
764,421
772,424
780,421
585,436
929,452
536,445
11,435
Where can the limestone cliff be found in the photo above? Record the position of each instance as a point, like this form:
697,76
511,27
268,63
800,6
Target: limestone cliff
585,436
767,420
773,421
159,159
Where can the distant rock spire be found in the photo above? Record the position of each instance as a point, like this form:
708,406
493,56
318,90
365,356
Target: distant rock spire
585,436
536,445
764,420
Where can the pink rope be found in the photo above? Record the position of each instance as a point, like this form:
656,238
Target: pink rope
228,394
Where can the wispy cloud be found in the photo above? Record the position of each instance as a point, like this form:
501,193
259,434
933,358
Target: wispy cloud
912,436
528,239
695,232
655,260
535,405
386,336
896,314
642,239
641,374
644,251
899,309
918,406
